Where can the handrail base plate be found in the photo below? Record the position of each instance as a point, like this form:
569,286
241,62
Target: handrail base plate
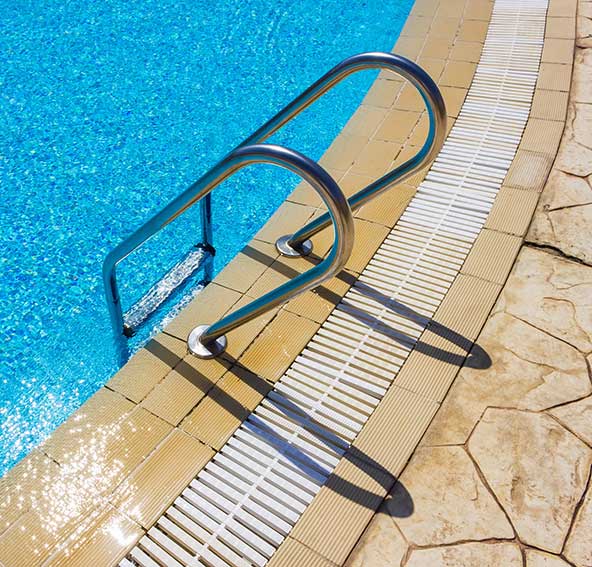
197,348
285,249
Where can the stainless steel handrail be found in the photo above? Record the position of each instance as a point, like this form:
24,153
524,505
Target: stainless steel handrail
299,244
207,341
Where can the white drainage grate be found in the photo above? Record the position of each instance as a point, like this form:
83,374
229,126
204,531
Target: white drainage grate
243,504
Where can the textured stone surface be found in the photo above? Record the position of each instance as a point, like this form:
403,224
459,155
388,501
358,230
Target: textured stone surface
449,502
579,544
581,84
529,370
536,558
536,468
381,544
577,417
467,555
552,294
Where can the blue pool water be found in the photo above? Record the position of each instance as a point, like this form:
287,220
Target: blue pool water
110,109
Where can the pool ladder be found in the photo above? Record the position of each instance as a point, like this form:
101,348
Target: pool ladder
207,341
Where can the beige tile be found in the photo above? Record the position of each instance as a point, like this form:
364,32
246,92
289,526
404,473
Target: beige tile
354,182
152,487
384,91
207,307
554,76
416,26
433,66
148,366
420,132
375,158
529,170
304,194
444,28
473,30
466,51
426,8
244,269
478,10
453,98
288,218
409,47
278,345
512,211
105,542
410,99
397,125
492,256
560,28
225,407
436,48
450,9
184,387
293,554
318,303
386,209
369,236
407,153
558,51
549,105
562,8
352,493
342,152
458,74
542,136
365,120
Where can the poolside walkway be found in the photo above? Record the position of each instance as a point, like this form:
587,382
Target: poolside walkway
502,476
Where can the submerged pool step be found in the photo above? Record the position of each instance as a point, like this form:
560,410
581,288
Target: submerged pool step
240,508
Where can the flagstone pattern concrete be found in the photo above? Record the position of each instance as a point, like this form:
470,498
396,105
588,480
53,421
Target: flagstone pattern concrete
524,423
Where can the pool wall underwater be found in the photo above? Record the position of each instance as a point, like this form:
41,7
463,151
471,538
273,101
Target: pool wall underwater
110,111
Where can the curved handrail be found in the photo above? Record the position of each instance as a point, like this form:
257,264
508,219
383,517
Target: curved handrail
294,244
207,341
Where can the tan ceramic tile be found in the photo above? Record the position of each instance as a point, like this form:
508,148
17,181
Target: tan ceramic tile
436,48
293,554
288,217
458,74
225,407
384,91
304,194
342,152
558,51
453,98
184,387
512,211
529,170
240,338
549,105
365,120
478,10
466,51
278,345
352,493
149,490
554,76
426,8
397,125
207,307
375,158
560,28
492,256
433,66
444,28
410,99
106,542
19,487
281,271
420,132
395,428
409,47
354,182
386,209
369,236
416,26
147,367
244,269
542,136
318,303
407,153
451,9
473,30
562,8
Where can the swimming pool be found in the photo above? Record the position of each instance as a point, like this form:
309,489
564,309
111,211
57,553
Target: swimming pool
109,110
